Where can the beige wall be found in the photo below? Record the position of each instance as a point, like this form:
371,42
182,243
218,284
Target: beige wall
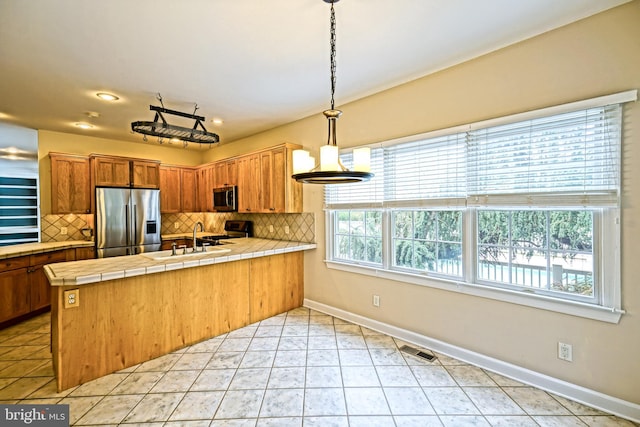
77,144
597,56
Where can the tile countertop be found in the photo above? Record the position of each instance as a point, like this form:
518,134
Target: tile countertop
38,248
99,270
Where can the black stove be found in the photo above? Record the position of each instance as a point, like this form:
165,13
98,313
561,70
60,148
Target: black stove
233,229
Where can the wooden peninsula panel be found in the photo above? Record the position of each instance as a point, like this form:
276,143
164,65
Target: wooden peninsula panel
276,285
123,322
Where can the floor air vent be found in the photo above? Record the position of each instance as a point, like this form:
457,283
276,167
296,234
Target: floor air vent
415,352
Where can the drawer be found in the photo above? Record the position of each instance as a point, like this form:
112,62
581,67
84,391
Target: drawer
13,263
49,257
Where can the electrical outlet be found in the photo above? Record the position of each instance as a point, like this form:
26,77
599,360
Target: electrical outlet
176,225
63,231
286,229
376,300
72,298
270,228
565,352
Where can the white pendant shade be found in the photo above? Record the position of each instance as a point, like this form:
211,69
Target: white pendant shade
300,161
362,159
329,158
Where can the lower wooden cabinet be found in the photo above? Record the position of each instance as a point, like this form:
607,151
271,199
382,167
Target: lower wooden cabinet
15,294
88,252
24,287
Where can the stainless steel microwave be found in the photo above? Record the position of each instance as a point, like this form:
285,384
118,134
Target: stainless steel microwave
225,199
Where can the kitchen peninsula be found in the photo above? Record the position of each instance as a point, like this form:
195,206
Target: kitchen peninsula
126,310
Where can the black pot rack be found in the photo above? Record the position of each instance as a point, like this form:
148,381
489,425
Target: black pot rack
160,128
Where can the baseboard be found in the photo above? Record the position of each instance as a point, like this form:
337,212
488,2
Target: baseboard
592,398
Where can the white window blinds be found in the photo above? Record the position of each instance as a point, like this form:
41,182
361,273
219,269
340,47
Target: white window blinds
563,156
426,171
567,159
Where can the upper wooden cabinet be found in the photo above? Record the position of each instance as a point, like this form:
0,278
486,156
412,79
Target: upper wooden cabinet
205,178
188,190
266,177
249,185
111,171
70,184
145,174
169,189
177,189
226,173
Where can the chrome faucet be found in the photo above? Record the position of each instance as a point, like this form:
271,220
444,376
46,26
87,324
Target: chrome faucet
195,229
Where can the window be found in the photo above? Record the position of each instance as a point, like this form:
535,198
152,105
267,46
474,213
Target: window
358,236
428,240
523,208
547,251
18,210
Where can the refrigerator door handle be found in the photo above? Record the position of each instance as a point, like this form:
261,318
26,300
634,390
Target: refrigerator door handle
126,222
135,226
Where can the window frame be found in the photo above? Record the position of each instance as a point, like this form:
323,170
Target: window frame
606,305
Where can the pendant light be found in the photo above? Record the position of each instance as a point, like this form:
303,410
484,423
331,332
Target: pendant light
331,170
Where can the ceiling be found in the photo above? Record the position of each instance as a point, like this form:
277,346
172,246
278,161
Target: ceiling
256,64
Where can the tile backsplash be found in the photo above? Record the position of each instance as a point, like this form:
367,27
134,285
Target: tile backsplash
77,227
301,226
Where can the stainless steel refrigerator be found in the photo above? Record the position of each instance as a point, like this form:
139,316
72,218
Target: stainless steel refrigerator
127,221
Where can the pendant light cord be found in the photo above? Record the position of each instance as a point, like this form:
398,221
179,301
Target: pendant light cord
333,54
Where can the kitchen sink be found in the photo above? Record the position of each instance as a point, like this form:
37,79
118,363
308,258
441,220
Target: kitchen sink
167,255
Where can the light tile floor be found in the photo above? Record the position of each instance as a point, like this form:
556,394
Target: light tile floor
299,368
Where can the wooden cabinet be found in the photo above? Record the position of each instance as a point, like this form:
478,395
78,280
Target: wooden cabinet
188,193
14,288
265,184
88,252
70,184
169,189
24,287
285,195
177,189
205,176
112,171
249,182
226,173
145,174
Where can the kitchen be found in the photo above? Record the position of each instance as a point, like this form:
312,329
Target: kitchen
547,76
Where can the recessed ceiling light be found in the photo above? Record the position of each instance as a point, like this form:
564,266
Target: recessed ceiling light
217,121
107,96
84,125
92,114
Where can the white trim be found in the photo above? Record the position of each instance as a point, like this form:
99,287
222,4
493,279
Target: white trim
592,398
570,307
